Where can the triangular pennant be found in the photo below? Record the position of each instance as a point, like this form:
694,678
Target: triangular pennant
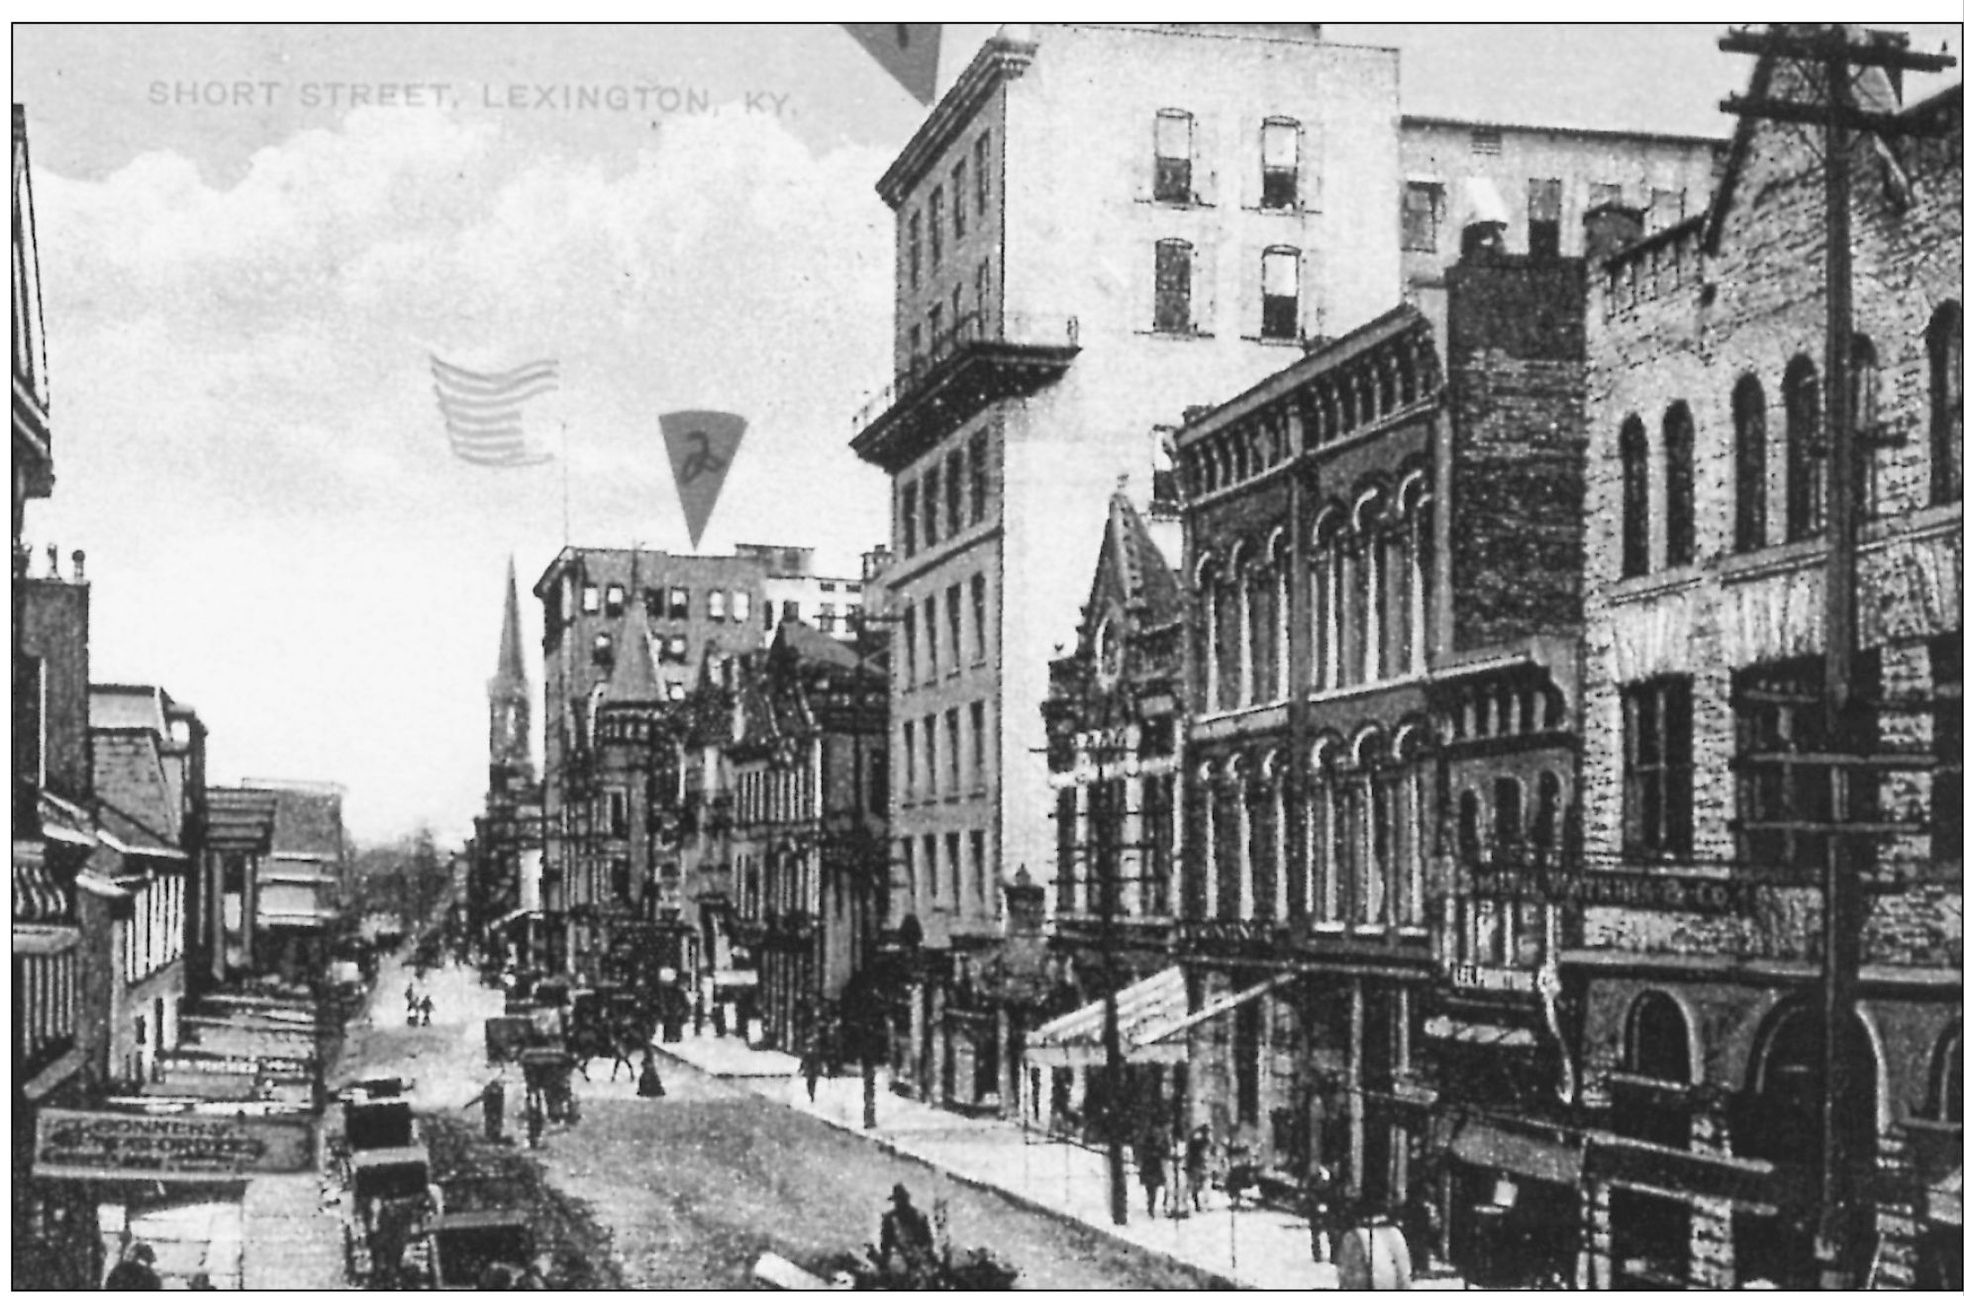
701,444
911,52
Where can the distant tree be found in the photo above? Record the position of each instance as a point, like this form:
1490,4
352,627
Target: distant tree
407,879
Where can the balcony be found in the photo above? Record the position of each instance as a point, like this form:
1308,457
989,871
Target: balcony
964,369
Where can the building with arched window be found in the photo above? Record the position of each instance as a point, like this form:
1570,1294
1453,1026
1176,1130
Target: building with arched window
1715,781
1359,651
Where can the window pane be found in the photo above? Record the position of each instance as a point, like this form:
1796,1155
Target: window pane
1173,136
1173,286
1279,144
1280,270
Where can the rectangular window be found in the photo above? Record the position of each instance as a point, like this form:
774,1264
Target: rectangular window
1425,211
616,813
930,753
909,504
678,602
978,742
1173,157
931,507
740,606
616,600
1544,218
907,636
958,191
1657,765
914,251
718,605
914,346
931,632
1947,780
953,731
1486,140
931,865
909,771
1666,208
957,483
978,866
956,325
954,601
791,612
934,228
1067,850
1281,153
1173,286
954,847
978,477
590,599
982,299
934,328
978,589
1281,279
1783,787
675,649
982,173
1601,193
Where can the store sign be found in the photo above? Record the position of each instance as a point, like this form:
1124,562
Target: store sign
220,1064
122,1145
1473,976
1628,888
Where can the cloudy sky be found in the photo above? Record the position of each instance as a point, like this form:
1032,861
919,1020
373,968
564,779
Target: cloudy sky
243,277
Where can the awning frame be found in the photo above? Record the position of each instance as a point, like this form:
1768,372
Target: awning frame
1220,1006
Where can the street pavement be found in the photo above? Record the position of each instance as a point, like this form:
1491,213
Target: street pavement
695,1186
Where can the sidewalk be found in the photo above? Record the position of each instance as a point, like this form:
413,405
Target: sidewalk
1249,1248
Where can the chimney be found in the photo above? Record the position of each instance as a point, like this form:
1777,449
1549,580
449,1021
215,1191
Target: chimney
54,562
1610,227
77,560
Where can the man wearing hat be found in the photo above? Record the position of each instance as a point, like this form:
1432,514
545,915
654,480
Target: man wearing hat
906,1238
136,1271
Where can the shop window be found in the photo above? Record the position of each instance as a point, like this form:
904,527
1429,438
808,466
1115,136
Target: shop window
1657,765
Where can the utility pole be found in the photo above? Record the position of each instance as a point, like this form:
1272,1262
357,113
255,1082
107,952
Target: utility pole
1115,1104
1831,50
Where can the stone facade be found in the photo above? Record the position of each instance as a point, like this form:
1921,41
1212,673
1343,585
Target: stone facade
1705,572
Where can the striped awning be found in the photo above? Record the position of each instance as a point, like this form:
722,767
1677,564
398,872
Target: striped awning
39,896
1145,1009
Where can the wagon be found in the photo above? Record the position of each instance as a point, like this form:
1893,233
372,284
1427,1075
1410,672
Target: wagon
462,1245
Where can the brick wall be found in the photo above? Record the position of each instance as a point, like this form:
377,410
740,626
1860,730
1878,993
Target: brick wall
1515,355
55,628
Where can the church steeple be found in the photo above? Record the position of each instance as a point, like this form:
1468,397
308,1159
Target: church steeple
511,704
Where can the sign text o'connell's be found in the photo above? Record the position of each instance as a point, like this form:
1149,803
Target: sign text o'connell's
131,1145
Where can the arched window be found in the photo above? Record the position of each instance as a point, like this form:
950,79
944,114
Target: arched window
1807,479
1371,796
1227,630
1635,451
1469,828
1865,382
1749,465
1680,487
1507,811
1656,1040
1319,810
1262,609
1946,342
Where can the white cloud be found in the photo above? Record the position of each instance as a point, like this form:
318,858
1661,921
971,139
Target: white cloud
248,446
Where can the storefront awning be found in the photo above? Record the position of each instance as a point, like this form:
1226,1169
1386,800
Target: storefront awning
1454,1031
1748,1183
1177,1030
1146,1011
1528,1155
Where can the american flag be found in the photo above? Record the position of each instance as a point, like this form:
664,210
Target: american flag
483,412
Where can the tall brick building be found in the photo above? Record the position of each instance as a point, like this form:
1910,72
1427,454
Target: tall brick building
1700,955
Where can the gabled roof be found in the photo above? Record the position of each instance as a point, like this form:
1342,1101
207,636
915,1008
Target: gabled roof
307,817
807,644
634,677
1132,570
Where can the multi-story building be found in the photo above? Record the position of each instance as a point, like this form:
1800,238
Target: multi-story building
1115,725
1096,227
150,795
1462,178
628,633
807,765
1711,785
238,839
298,879
1383,549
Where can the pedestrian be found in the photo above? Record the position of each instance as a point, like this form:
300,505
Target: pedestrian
1321,1192
810,1067
1200,1152
427,1008
650,1086
1152,1154
906,1238
535,1118
623,1053
136,1271
199,1281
